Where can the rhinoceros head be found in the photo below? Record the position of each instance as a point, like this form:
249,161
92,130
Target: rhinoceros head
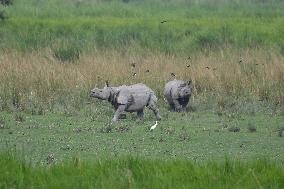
185,89
102,94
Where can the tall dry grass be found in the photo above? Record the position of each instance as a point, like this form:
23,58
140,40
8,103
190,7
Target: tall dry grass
38,78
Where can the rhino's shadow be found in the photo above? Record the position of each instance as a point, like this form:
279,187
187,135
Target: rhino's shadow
191,109
187,109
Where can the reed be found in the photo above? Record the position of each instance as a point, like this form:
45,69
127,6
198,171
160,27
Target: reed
39,78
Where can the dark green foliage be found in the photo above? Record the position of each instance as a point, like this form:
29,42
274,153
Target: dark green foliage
280,131
234,129
19,117
6,2
251,128
3,15
2,123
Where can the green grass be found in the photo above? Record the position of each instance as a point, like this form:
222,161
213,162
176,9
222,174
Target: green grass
133,172
89,26
198,136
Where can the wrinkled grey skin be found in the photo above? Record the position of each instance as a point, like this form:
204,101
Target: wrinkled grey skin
177,93
131,98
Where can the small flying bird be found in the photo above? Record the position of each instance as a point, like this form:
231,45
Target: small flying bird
164,21
154,126
188,65
133,65
173,74
147,71
189,58
207,67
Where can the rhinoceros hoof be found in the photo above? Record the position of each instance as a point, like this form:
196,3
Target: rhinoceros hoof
122,116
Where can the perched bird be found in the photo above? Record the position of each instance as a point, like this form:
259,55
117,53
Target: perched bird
147,71
189,58
188,65
134,74
207,67
173,74
164,21
154,126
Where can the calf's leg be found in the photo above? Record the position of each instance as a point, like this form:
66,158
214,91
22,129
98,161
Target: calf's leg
119,112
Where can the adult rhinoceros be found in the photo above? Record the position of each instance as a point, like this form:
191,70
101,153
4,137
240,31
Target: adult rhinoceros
177,93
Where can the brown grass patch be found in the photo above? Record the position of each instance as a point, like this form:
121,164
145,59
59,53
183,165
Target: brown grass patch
38,77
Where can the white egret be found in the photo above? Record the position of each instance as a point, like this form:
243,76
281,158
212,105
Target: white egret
154,126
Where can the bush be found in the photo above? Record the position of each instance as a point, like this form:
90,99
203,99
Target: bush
6,2
67,53
19,117
251,128
2,123
234,129
3,15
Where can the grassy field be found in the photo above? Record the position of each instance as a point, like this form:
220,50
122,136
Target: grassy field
195,150
52,53
198,136
129,172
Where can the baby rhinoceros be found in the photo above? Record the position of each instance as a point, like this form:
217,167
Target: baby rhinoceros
131,98
177,93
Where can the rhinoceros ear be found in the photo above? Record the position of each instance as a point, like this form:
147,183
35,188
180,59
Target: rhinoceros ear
106,83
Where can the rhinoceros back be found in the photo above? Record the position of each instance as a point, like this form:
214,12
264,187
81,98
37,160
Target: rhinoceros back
135,96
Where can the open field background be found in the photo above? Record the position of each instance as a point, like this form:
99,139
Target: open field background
135,26
53,52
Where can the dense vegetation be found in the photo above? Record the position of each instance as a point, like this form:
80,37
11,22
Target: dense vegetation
130,172
172,27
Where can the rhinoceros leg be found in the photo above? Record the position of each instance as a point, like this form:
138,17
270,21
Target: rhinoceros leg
184,102
172,106
119,112
152,106
122,115
140,114
177,106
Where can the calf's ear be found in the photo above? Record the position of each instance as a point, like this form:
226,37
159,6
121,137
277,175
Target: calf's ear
106,83
189,83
